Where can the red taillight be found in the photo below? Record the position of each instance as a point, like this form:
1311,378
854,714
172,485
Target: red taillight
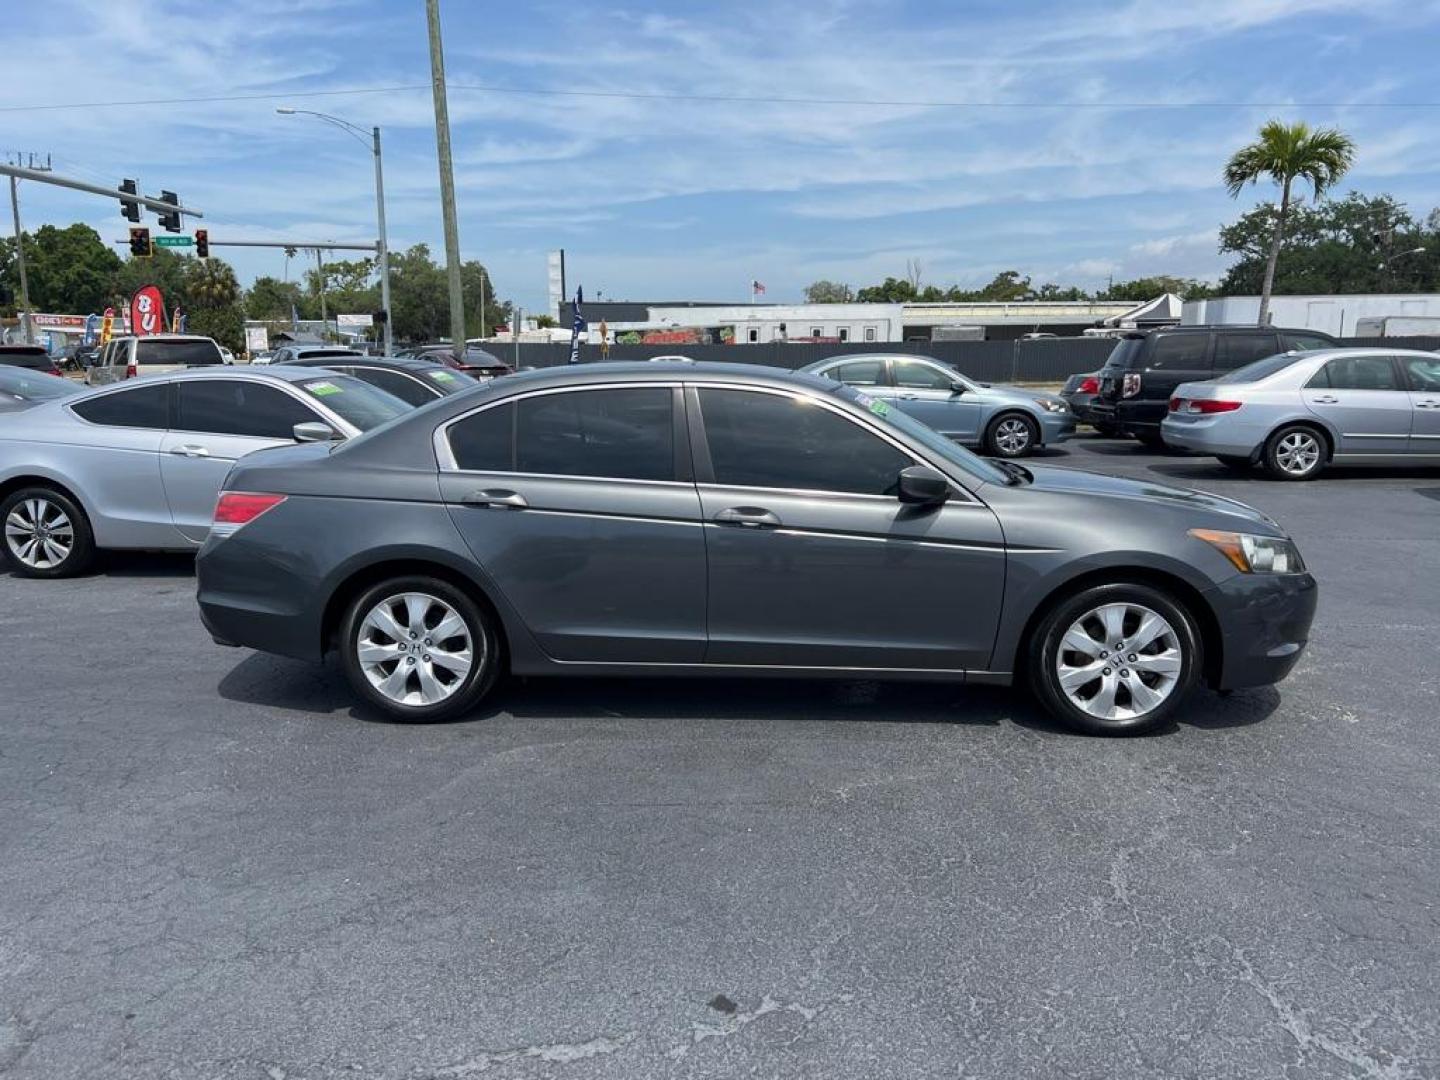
1130,384
1089,385
57,371
1175,403
236,508
1205,405
131,371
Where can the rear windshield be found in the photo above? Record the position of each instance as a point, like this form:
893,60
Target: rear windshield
311,354
35,360
361,404
452,382
162,351
1125,352
1260,369
28,386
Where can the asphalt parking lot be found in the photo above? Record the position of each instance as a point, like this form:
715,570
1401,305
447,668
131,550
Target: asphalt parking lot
214,868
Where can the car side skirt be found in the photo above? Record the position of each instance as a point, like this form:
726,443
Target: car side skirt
533,665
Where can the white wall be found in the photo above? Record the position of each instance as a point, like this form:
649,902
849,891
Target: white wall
1334,315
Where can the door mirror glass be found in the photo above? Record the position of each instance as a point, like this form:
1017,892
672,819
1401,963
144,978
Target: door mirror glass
315,431
923,486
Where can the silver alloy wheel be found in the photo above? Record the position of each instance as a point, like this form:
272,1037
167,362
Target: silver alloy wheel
1119,661
1012,435
416,649
1298,453
39,533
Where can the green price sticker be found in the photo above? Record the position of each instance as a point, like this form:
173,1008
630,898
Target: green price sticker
442,376
879,408
324,389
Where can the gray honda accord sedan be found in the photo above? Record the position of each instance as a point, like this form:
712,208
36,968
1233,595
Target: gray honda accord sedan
698,519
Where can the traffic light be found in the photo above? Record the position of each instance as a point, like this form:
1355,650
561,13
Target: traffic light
140,246
202,243
129,208
170,220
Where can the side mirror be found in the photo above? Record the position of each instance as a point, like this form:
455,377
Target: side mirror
957,388
923,486
315,431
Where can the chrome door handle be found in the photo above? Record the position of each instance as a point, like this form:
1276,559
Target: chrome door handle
501,499
1428,403
1326,400
908,397
189,450
748,517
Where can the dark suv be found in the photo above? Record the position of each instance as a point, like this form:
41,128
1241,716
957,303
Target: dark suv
1145,366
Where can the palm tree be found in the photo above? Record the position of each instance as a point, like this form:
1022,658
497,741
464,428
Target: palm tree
1286,153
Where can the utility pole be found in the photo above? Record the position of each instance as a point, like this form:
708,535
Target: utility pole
447,179
27,329
320,282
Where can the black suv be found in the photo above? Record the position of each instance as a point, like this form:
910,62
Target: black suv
1145,367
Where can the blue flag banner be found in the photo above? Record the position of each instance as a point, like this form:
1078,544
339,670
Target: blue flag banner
580,326
92,330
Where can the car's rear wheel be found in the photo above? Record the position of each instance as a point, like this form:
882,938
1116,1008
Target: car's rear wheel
46,534
418,648
1011,435
1295,452
1115,659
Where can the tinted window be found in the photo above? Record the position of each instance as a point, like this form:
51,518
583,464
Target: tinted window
405,388
1125,352
1305,342
238,407
359,403
143,407
35,360
1357,373
167,351
1183,352
451,382
922,376
773,441
486,440
1423,372
34,386
1237,350
859,373
620,433
1260,369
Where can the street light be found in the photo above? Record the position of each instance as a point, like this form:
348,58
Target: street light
1399,255
371,139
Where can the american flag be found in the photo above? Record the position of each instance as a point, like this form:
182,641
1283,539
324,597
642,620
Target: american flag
756,287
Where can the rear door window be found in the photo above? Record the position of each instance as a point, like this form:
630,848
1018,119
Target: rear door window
1180,352
859,373
1357,373
163,351
623,433
1237,350
238,407
141,407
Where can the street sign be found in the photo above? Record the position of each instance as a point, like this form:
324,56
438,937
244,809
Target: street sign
173,241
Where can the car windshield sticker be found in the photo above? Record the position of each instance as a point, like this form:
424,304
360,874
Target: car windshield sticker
879,408
324,389
442,376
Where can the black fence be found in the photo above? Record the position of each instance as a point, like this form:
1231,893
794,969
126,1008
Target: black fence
1044,360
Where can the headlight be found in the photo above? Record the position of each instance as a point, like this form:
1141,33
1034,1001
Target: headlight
1050,404
1254,554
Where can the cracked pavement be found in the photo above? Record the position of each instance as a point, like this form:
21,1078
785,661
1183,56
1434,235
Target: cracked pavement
214,868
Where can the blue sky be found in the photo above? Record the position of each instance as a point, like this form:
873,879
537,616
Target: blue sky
669,199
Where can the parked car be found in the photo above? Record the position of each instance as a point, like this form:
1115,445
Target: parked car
156,354
138,465
29,357
416,382
288,354
226,356
261,358
85,358
1079,393
1005,421
22,387
1295,413
473,361
719,519
1146,366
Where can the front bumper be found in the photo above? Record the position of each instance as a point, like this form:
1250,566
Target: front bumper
1264,622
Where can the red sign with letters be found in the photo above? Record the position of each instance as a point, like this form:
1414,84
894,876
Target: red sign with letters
147,312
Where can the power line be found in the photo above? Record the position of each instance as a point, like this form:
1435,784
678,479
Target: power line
737,99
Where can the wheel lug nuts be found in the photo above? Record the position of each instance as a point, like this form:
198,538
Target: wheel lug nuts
410,660
1124,673
427,642
1105,672
426,659
1104,655
1132,658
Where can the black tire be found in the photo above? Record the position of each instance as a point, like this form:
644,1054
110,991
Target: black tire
1003,438
1108,430
1237,464
485,651
1044,654
57,511
1152,440
1295,452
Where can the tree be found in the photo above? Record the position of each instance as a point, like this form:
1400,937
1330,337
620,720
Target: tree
419,296
214,308
1148,288
271,298
545,322
891,291
69,270
1007,285
474,283
166,271
828,292
1286,153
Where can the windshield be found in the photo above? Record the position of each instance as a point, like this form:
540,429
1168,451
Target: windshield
452,382
927,437
361,404
176,352
1260,369
311,354
1125,350
30,386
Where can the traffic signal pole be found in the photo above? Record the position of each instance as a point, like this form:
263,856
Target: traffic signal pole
160,206
25,328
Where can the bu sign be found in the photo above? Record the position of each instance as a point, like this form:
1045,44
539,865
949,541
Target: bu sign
147,312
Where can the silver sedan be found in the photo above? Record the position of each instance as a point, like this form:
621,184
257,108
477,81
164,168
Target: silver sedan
1004,421
1296,412
138,465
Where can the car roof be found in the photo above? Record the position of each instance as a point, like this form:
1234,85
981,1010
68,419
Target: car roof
281,372
640,371
405,363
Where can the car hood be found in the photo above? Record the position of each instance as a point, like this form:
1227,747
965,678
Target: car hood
1100,486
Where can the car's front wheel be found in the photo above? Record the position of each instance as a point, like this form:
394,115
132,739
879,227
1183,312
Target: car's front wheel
1115,659
418,648
1011,435
46,534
